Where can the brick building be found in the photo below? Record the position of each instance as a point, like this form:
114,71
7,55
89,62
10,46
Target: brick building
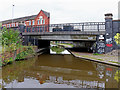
42,18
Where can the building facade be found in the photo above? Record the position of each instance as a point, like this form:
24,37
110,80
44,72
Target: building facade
41,19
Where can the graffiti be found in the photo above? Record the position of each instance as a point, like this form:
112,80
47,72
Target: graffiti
117,38
109,42
101,51
101,47
117,76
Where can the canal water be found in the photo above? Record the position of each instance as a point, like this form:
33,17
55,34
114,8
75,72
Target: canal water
61,70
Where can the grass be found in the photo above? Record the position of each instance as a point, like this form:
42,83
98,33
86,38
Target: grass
100,59
65,44
96,54
114,62
85,56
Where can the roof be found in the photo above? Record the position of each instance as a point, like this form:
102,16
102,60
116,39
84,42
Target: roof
46,13
24,18
19,19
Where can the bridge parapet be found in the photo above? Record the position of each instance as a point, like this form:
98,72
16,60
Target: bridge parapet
87,26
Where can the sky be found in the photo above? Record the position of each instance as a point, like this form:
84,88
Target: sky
61,11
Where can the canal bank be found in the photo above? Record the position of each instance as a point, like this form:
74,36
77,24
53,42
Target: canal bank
101,58
22,53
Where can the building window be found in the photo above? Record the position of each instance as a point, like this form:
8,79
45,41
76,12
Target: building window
29,22
43,21
16,24
33,22
7,25
38,22
13,24
24,24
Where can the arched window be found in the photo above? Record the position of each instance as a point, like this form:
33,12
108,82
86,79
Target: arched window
33,23
38,22
29,22
43,21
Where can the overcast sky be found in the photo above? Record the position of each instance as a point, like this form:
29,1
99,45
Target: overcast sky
61,11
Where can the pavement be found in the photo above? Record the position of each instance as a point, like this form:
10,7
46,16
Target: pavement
103,58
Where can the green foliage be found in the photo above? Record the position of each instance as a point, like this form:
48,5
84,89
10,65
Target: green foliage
7,61
96,54
24,54
11,39
57,49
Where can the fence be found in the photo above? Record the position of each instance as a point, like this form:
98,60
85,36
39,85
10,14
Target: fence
89,26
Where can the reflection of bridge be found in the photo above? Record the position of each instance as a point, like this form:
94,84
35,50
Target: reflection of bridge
99,32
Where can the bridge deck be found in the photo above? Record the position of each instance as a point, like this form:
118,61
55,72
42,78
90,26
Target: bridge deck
63,33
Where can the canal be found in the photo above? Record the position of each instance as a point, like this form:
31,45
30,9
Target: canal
58,69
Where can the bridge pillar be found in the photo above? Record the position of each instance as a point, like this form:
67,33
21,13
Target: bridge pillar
109,32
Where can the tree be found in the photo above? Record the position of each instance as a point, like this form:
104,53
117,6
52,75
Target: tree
11,40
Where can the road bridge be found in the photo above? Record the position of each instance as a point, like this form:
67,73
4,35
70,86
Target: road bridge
101,33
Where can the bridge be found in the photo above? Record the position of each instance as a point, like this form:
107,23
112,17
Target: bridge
101,33
65,36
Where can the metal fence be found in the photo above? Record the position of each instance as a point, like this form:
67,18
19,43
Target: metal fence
88,26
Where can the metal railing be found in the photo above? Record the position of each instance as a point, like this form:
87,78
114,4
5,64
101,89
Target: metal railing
87,26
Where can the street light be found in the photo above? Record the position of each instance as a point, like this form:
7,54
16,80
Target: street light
12,13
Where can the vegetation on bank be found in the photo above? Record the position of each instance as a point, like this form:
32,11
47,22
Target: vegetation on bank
12,48
57,49
65,44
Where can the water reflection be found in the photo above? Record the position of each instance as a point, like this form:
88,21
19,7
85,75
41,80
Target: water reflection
59,71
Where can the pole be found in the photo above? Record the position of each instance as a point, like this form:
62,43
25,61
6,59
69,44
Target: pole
12,13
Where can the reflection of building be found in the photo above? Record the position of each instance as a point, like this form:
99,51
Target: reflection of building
42,18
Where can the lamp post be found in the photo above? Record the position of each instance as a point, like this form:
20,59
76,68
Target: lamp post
12,13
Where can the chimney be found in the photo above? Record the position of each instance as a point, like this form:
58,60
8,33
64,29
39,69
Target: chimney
109,16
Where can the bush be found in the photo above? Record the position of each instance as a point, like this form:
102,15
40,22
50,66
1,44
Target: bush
24,54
